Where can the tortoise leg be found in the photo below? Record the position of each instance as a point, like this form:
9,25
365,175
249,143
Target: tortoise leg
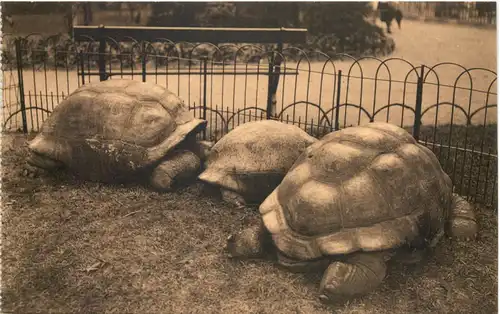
179,167
233,198
252,242
462,222
357,275
297,266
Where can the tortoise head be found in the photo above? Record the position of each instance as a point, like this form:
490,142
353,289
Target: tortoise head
200,148
204,148
42,154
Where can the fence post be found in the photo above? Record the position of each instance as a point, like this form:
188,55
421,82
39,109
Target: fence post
337,105
269,109
418,105
143,61
19,60
205,59
102,51
274,77
81,63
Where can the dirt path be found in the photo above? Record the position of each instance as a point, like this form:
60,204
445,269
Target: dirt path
431,43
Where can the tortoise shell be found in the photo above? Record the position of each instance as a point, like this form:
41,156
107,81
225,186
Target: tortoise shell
115,127
254,157
369,188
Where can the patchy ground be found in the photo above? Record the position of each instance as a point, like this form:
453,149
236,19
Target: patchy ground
73,247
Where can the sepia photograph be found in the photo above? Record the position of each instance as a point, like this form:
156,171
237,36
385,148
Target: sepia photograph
259,157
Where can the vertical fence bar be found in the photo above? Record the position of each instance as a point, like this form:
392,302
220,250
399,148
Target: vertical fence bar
205,61
418,105
276,72
82,65
19,59
337,105
270,87
143,61
102,61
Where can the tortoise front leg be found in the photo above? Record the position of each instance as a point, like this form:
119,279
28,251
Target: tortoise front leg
357,275
250,243
462,222
298,266
180,167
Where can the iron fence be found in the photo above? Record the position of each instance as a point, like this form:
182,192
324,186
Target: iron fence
449,108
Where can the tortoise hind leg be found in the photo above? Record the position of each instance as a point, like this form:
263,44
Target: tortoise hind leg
359,274
462,222
180,167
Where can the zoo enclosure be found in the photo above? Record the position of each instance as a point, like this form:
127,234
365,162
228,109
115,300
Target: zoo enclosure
445,106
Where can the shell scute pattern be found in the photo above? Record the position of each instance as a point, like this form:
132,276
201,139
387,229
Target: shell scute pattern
115,126
363,188
241,150
79,104
254,157
122,109
151,93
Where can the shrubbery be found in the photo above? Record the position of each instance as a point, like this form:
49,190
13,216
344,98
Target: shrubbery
333,28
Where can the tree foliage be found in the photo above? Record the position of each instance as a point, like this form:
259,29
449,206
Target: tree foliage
175,14
333,27
13,8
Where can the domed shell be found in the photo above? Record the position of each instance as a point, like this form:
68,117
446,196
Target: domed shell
254,157
114,122
366,188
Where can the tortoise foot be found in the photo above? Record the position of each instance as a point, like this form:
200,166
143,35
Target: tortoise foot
250,243
463,229
462,225
357,276
30,171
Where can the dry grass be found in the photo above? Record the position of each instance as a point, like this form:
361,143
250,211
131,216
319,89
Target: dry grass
474,174
72,247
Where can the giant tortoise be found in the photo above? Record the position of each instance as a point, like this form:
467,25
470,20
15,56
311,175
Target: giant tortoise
121,130
352,201
251,160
